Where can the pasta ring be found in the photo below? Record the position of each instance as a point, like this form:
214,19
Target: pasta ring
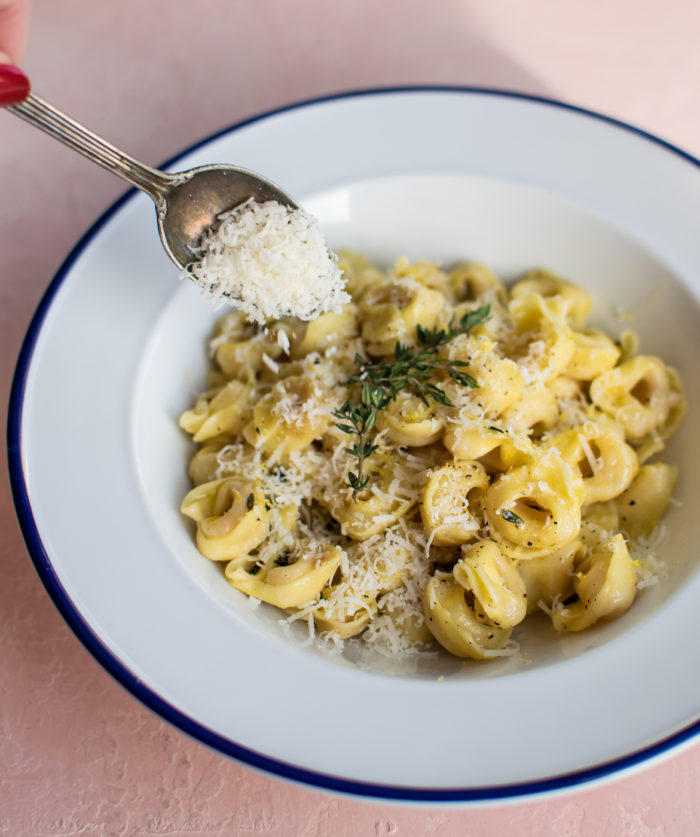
455,625
606,462
534,509
638,395
230,515
498,589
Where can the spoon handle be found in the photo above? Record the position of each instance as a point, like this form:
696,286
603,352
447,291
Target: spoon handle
49,119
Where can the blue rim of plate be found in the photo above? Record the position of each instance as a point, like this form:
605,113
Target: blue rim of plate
152,700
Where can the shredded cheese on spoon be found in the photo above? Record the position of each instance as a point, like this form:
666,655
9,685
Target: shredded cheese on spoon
270,261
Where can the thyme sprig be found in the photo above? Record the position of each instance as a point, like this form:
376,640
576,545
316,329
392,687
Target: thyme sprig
379,382
359,420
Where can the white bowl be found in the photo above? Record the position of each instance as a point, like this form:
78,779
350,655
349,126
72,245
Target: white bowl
98,465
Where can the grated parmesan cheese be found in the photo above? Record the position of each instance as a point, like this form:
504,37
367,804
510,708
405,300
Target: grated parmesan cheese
593,463
283,340
271,364
270,261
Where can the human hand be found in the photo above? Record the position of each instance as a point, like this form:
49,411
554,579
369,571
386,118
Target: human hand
14,21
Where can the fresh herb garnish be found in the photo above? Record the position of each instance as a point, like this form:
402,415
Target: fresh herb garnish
359,421
380,382
250,502
279,473
494,428
511,517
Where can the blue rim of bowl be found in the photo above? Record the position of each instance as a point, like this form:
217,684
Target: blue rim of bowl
118,670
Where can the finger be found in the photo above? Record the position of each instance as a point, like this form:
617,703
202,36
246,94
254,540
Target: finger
14,23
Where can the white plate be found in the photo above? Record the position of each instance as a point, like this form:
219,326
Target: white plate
116,351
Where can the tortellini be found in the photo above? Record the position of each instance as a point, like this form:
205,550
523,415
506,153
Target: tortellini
447,505
576,301
643,503
409,421
641,395
286,585
225,413
230,515
374,509
455,623
243,360
598,451
475,502
425,273
548,577
535,412
594,352
605,584
544,342
493,579
473,281
289,417
390,312
330,329
534,509
500,382
359,273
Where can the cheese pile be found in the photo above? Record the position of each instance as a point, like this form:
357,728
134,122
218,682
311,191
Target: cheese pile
270,261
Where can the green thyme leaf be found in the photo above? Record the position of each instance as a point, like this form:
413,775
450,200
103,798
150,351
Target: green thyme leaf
511,517
474,318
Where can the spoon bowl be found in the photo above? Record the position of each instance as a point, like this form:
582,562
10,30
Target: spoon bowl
196,198
188,204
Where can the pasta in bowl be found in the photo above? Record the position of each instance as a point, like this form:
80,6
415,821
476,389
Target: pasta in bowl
434,464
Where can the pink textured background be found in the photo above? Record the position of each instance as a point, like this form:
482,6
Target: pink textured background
78,755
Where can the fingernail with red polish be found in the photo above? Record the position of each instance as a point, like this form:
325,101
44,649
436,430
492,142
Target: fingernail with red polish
14,85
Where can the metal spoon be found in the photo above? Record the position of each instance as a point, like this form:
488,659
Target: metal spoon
187,203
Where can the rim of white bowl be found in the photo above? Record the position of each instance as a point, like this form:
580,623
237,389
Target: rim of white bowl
115,667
